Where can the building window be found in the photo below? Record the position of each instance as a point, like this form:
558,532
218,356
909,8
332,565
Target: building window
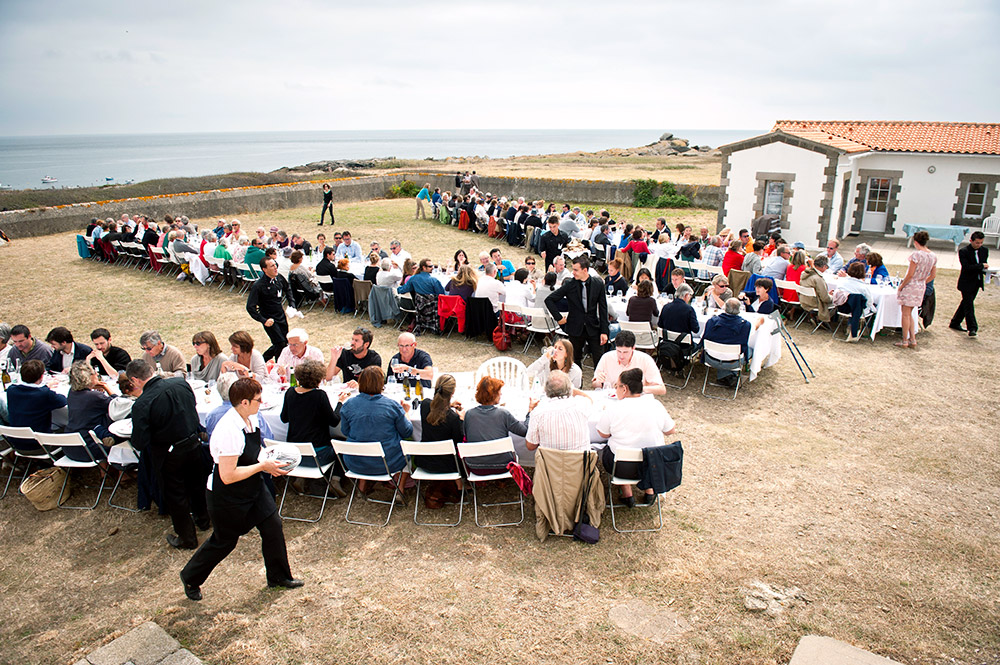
878,194
975,199
774,197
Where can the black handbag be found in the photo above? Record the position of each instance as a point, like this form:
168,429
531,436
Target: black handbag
583,530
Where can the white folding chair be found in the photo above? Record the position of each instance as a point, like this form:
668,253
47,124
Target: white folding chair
730,356
807,292
511,371
481,449
646,337
407,308
627,455
310,470
786,284
539,323
412,449
991,227
75,441
685,341
367,449
121,468
22,441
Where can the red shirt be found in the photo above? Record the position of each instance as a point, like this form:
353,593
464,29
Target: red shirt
731,260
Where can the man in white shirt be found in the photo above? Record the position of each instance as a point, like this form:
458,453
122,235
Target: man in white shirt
626,357
518,291
389,274
833,258
297,352
489,286
559,268
397,254
561,421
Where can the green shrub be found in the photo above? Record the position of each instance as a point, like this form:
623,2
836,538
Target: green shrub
404,190
645,195
673,201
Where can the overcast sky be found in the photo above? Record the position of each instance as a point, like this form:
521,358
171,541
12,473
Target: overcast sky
71,67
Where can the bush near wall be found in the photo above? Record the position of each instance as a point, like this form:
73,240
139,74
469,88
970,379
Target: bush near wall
652,194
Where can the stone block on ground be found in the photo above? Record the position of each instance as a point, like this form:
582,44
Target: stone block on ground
817,650
657,624
147,644
181,657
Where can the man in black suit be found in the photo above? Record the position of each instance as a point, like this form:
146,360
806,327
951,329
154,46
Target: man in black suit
264,305
550,244
587,319
65,351
973,259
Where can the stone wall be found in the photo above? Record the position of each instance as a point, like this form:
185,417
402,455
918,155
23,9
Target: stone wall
242,200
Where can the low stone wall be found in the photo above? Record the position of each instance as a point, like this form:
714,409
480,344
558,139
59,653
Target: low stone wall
242,200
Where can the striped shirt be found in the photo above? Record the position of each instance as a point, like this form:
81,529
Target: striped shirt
560,424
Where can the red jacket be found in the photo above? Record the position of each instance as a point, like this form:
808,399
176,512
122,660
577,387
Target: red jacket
731,260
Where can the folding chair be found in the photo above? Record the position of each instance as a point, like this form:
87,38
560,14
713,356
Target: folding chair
515,319
509,370
367,449
326,283
787,285
75,442
25,446
628,455
730,357
685,341
447,447
310,469
362,291
481,449
407,308
807,292
122,467
646,337
539,323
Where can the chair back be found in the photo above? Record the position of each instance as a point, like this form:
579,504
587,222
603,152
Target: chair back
406,304
358,448
806,291
723,352
785,284
539,319
738,280
362,289
482,448
991,226
445,447
52,443
509,370
22,439
645,334
624,454
678,338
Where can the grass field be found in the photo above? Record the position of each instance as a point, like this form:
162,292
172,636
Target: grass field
874,489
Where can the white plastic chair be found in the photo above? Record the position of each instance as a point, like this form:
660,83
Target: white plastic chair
316,472
684,340
627,455
121,467
367,449
806,292
481,449
511,371
68,441
539,323
447,447
646,337
729,354
25,446
991,227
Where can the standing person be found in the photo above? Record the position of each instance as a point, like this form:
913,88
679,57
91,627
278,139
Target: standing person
264,305
423,195
238,500
327,204
974,261
586,322
165,426
922,268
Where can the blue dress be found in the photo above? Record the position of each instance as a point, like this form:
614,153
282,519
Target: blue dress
375,418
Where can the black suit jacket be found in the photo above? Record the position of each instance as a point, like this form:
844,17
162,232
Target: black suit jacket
579,322
80,352
971,277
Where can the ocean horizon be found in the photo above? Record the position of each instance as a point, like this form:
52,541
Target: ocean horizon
98,159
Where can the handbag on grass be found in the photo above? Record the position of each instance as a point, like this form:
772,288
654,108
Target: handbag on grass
501,338
521,477
42,488
583,530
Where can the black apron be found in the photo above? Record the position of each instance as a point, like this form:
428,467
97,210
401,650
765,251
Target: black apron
237,508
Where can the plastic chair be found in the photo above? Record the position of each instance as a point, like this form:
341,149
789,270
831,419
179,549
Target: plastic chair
685,341
65,442
991,227
539,322
121,468
314,471
25,446
627,455
416,448
367,449
362,291
646,337
406,308
481,449
730,356
509,370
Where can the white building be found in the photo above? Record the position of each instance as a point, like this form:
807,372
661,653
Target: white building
831,179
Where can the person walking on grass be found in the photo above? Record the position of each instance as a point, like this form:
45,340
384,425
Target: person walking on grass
327,204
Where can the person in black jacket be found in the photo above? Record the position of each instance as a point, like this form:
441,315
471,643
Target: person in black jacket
327,204
107,359
264,305
587,319
974,261
165,426
550,244
65,351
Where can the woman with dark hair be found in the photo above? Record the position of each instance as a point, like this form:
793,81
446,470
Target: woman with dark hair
642,306
440,420
301,281
238,500
245,360
921,269
409,269
637,244
645,276
370,416
460,260
206,363
876,269
489,421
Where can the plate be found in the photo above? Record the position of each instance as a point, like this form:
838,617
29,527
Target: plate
121,428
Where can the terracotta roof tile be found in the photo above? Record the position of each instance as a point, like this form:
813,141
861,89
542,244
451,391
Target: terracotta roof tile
890,136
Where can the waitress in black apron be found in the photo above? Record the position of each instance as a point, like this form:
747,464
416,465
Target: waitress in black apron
237,498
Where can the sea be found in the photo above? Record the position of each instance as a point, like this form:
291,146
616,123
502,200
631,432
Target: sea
89,160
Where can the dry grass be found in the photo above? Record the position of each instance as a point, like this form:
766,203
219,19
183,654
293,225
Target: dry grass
873,488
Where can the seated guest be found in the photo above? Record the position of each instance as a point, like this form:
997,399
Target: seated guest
534,274
326,266
728,328
560,422
222,386
547,286
518,291
411,364
167,359
812,277
559,268
676,279
120,406
626,357
388,274
752,261
29,403
713,254
487,422
110,359
504,267
5,346
370,416
245,361
678,315
409,270
642,306
440,420
861,253
320,246
310,416
463,284
206,363
760,300
87,403
632,421
254,254
834,260
637,244
777,264
490,287
371,270
239,250
794,274
615,283
301,281
376,249
460,260
856,284
354,359
876,269
301,244
718,292
559,356
733,258
65,351
344,270
348,249
297,351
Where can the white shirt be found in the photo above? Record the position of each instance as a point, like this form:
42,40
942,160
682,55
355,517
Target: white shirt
228,437
491,288
399,259
518,293
289,360
389,278
634,422
611,369
561,424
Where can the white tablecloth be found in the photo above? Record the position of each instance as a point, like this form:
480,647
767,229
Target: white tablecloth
888,311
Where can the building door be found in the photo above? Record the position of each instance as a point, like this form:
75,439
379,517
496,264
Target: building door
876,205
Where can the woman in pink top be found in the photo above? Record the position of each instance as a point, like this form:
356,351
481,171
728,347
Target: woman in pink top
922,268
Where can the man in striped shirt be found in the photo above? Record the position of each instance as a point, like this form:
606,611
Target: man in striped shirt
560,422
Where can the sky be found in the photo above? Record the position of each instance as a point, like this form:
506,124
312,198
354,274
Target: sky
71,67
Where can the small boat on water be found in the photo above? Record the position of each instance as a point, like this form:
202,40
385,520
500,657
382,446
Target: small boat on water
109,179
47,179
